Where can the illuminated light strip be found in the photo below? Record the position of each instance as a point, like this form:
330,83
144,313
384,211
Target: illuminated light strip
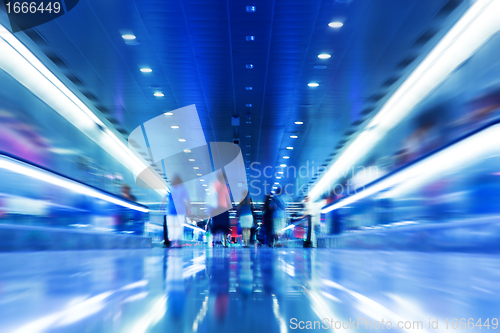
19,62
483,143
43,175
472,30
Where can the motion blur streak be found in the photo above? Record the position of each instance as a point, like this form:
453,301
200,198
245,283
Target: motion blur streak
475,27
33,172
19,62
74,313
479,146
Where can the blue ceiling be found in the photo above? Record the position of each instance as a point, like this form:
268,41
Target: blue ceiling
198,52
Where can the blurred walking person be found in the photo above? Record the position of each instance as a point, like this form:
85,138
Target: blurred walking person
220,206
178,206
279,215
267,220
245,212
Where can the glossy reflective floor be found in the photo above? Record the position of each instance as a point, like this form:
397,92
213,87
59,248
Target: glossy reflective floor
245,290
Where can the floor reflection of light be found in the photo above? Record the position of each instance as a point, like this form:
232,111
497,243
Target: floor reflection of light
331,297
192,270
201,315
137,284
289,269
276,310
322,309
136,297
152,315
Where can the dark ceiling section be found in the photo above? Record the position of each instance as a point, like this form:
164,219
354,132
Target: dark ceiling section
200,52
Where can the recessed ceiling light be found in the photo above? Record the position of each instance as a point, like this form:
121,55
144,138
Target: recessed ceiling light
293,136
199,174
289,148
278,177
196,168
324,56
205,185
251,9
146,70
299,123
276,183
335,24
169,113
174,126
280,172
128,37
283,165
248,105
313,84
250,38
187,150
202,180
159,94
249,66
286,157
191,160
249,88
182,140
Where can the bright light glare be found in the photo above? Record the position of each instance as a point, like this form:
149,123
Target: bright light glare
471,31
335,24
159,94
146,70
484,143
294,136
324,56
313,84
286,157
28,70
128,37
289,148
299,123
174,127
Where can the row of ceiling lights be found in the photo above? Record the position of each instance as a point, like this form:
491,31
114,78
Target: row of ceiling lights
250,9
130,37
323,56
